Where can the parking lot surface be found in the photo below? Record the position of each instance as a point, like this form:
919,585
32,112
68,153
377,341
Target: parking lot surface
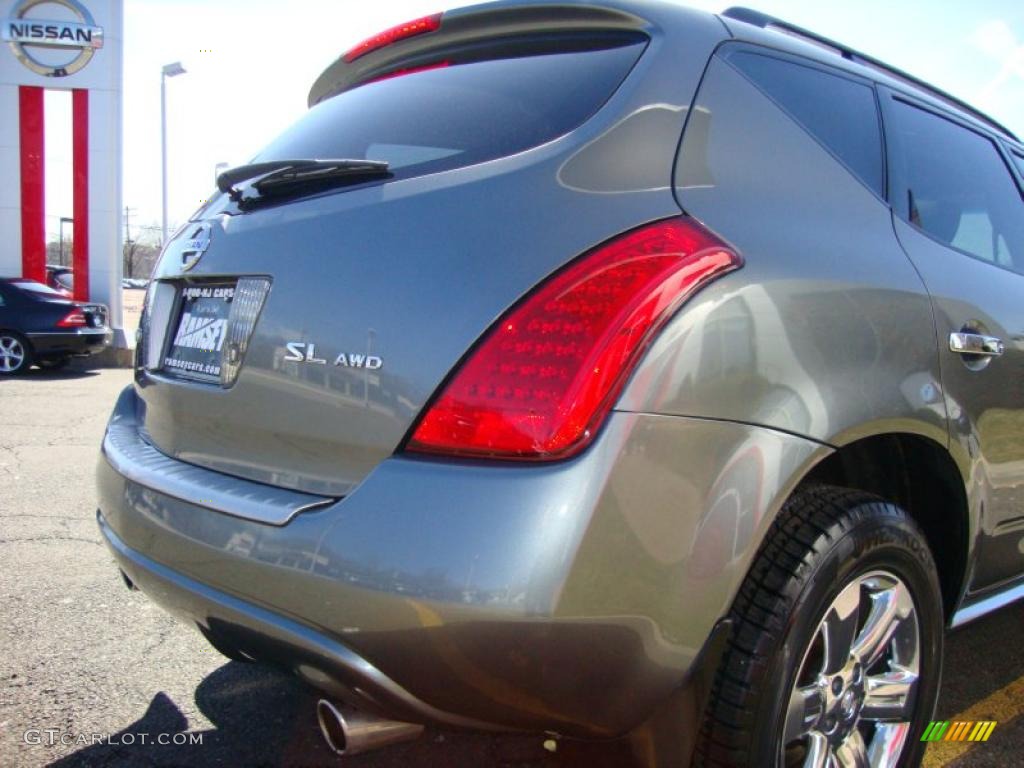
84,660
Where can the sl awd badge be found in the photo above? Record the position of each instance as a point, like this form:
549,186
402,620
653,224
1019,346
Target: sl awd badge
300,352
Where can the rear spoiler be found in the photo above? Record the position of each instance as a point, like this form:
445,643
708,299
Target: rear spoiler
500,30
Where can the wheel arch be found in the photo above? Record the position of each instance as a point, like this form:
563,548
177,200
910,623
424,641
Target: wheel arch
921,476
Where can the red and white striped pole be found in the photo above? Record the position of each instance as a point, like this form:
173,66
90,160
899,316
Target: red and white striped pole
32,167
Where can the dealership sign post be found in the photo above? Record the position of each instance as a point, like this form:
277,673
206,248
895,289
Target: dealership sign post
71,46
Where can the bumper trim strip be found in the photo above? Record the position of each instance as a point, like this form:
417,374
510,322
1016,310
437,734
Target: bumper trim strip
140,462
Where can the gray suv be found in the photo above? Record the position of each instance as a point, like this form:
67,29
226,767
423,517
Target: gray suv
596,369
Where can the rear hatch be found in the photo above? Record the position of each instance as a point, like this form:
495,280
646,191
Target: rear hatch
292,335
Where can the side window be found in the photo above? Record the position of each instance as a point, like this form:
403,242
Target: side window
957,187
840,113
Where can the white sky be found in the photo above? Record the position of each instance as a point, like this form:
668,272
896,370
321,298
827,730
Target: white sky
250,64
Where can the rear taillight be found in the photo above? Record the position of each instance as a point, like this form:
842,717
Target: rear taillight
74,319
540,382
388,36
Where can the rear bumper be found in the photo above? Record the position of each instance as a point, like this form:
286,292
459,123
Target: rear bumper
573,597
87,341
262,634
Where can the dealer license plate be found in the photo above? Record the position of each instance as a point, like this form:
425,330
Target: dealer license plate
195,349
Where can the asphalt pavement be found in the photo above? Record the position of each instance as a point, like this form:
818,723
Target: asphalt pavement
94,675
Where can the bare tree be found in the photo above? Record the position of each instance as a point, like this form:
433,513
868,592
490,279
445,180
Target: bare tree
57,255
141,251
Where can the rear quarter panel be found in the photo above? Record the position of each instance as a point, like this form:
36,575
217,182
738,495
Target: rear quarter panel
827,332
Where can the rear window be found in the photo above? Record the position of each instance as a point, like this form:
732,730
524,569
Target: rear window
37,289
458,115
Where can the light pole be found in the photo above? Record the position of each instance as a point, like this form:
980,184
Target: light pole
169,70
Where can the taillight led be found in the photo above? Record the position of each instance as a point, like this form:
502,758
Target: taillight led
388,36
542,379
74,319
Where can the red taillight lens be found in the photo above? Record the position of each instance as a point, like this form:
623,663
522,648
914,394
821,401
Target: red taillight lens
541,381
74,319
388,36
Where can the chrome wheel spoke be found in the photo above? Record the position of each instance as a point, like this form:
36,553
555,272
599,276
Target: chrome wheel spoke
887,745
889,607
805,707
890,696
818,753
852,753
838,628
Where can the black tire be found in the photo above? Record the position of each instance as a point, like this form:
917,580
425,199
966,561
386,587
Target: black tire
53,363
833,553
15,354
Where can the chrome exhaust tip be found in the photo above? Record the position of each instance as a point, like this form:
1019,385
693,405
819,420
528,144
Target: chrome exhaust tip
348,731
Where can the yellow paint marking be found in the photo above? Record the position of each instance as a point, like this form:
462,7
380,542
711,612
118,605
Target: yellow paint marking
1000,706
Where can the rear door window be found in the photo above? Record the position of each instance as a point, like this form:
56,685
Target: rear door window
956,187
458,115
840,113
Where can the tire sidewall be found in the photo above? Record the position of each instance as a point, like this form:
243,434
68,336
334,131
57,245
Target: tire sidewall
881,538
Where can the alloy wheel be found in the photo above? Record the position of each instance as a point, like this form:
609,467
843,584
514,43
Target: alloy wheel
853,699
12,354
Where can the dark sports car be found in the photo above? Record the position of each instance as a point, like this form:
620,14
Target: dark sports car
40,326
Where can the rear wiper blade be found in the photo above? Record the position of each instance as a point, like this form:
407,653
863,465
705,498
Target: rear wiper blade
289,173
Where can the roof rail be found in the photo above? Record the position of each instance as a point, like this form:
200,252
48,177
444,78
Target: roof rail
764,21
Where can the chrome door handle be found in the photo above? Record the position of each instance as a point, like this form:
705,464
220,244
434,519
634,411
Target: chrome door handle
975,344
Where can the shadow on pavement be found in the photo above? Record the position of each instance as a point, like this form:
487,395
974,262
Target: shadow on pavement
259,718
264,718
59,374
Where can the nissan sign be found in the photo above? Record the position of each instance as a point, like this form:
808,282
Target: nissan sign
38,41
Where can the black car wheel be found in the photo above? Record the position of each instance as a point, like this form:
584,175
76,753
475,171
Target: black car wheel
836,655
15,353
